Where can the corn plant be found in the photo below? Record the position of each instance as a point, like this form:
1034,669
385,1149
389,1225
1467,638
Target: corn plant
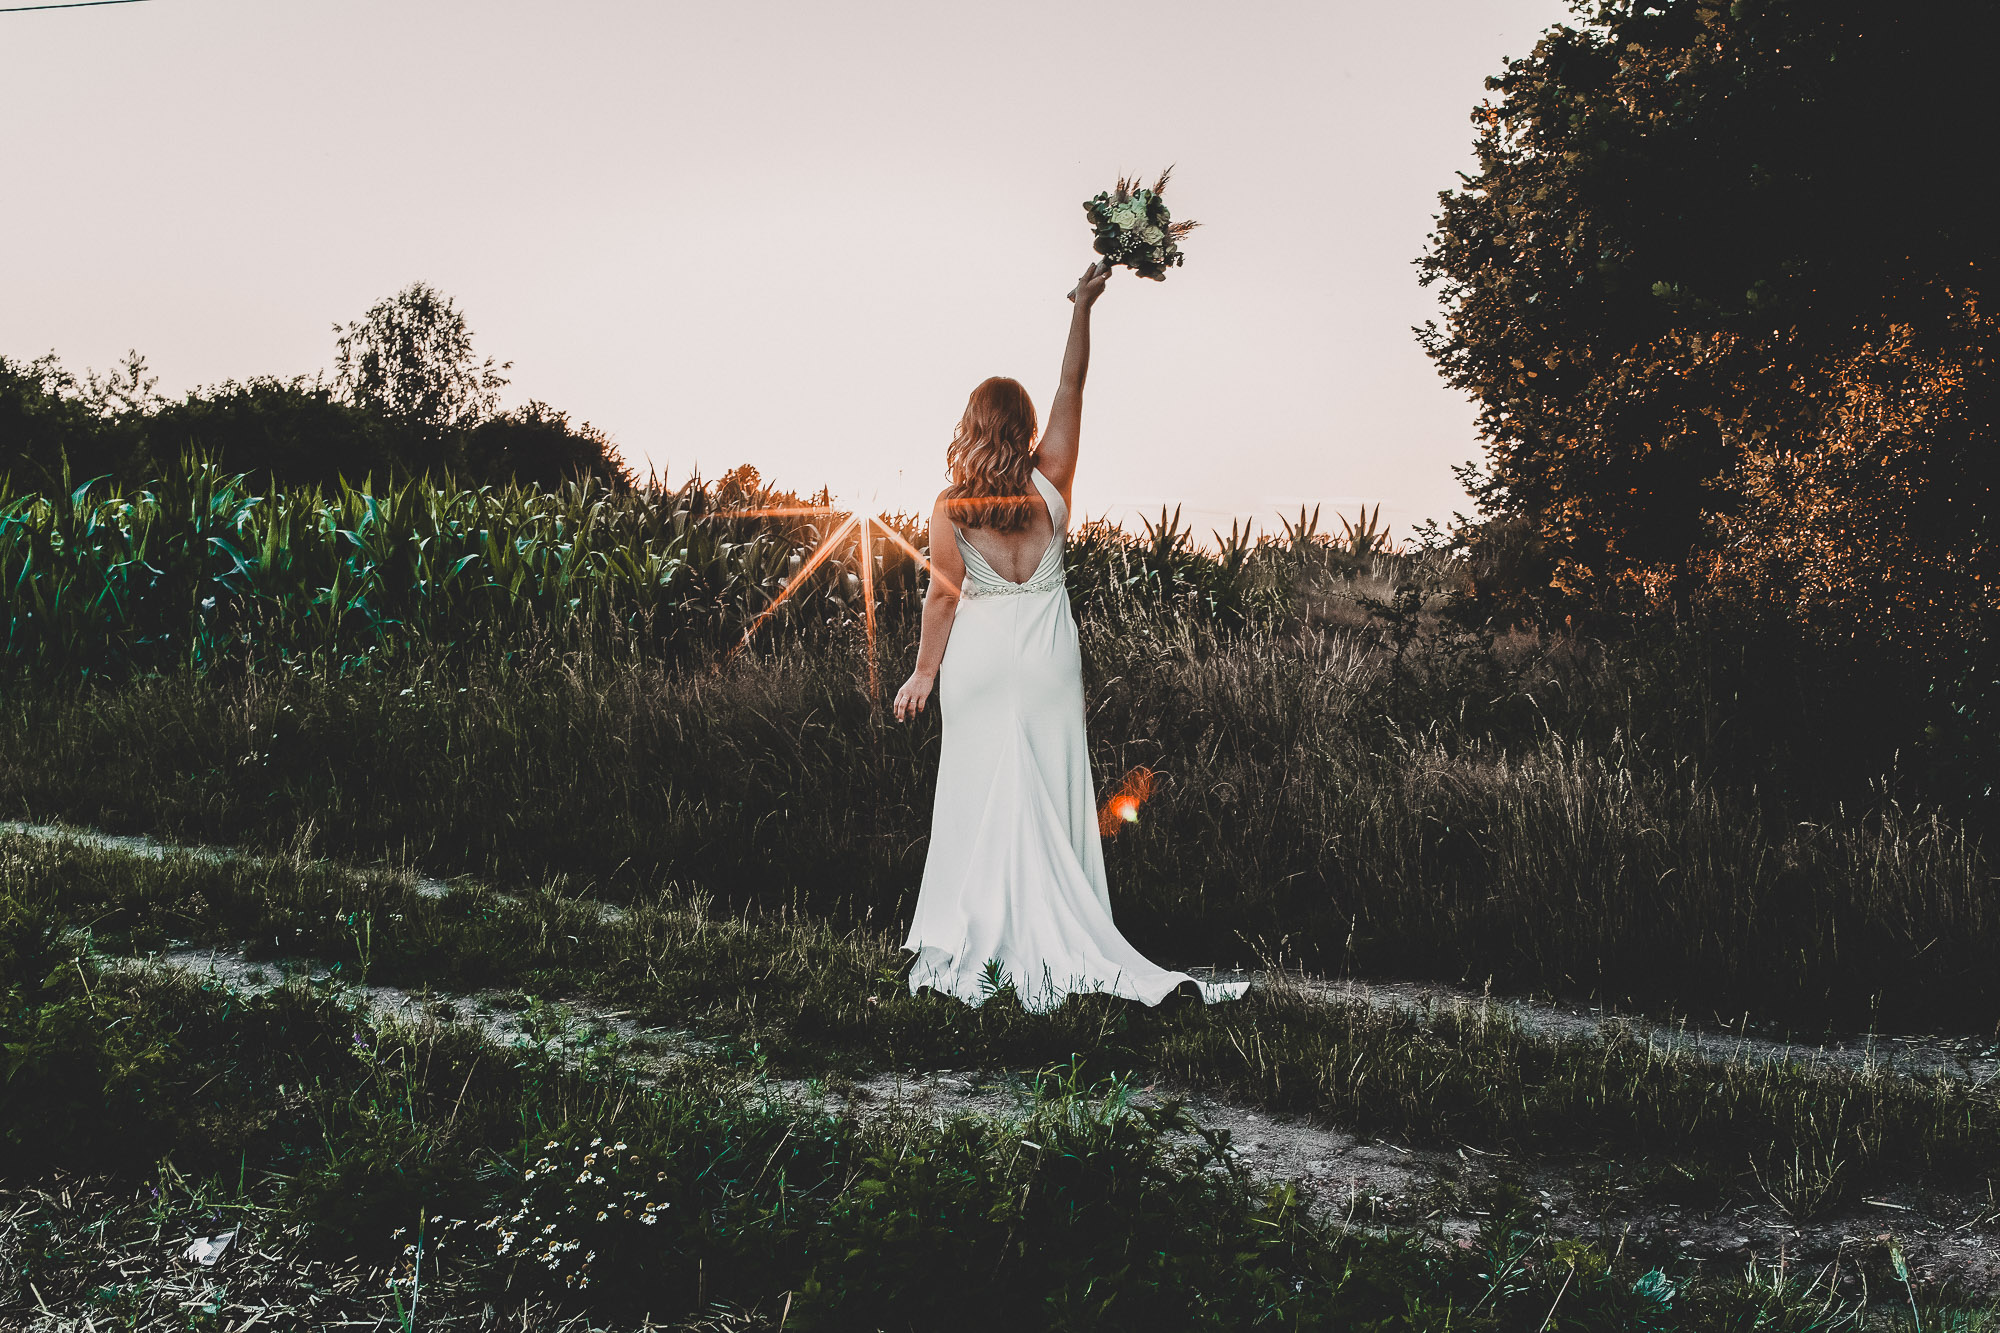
197,571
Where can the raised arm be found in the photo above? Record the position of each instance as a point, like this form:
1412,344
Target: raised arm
1056,456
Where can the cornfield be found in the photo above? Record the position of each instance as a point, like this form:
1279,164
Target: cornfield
197,570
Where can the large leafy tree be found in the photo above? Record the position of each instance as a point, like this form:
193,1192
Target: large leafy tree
1717,289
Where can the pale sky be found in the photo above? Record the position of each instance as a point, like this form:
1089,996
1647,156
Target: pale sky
793,234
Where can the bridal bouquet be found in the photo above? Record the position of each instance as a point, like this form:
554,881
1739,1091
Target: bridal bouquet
1133,227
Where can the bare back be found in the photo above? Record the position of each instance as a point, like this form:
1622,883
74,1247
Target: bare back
1014,556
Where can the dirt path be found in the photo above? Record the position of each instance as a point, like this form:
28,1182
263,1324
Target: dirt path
1369,1182
1974,1057
1366,1182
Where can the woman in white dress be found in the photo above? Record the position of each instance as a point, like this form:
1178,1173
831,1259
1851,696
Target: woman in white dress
1014,882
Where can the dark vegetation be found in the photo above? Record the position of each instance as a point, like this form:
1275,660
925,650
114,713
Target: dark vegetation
409,399
800,997
1718,290
355,1138
1547,815
1698,714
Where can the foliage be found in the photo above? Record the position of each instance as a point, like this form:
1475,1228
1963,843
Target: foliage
78,1070
410,399
202,568
202,571
1677,822
571,1209
46,416
1715,263
535,445
299,430
411,357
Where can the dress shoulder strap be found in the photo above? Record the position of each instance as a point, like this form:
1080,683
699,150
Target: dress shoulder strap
1058,511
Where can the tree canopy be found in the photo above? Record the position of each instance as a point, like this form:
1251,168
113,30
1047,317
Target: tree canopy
410,396
411,358
1716,287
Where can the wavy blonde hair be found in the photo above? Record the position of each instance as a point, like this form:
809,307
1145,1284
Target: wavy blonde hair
990,456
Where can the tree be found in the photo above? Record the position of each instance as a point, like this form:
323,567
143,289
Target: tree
280,431
126,390
409,397
411,358
46,418
537,445
1701,238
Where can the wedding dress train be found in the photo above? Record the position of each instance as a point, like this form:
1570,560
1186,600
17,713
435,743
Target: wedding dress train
1014,888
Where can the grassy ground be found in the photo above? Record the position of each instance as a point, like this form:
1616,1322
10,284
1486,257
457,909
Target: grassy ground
797,996
340,1145
1544,815
1690,819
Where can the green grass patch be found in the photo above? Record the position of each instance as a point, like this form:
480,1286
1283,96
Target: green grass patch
516,1173
803,997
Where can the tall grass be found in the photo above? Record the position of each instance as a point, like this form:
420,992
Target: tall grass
521,684
198,571
1297,817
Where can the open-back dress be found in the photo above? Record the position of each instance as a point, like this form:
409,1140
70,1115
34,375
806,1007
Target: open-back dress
1015,873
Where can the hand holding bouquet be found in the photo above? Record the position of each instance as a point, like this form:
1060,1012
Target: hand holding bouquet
1131,226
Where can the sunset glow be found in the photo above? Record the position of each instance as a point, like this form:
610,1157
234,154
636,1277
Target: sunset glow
864,527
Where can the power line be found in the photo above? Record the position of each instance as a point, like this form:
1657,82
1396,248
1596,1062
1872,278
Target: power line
72,4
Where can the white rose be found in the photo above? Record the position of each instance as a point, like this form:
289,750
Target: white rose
1152,235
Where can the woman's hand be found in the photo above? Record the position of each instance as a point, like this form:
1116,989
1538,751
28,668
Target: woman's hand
1091,285
916,692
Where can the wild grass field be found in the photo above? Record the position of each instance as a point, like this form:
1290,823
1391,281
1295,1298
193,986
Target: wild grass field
1361,774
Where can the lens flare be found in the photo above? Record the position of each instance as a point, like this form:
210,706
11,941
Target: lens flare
865,528
1121,807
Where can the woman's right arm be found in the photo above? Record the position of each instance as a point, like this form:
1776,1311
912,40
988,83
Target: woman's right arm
940,609
1056,456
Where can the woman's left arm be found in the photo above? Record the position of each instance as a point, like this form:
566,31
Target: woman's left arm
940,609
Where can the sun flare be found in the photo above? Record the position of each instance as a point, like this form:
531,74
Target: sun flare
863,528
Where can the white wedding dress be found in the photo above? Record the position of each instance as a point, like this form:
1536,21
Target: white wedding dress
1015,874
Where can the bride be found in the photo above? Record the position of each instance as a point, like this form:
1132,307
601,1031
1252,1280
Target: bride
1014,889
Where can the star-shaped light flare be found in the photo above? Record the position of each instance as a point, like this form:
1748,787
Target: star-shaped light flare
864,527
